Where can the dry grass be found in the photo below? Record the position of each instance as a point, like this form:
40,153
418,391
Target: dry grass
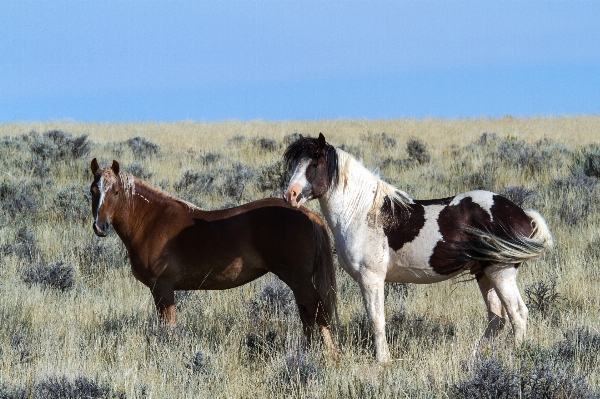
99,337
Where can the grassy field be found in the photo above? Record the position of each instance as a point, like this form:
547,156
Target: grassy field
76,323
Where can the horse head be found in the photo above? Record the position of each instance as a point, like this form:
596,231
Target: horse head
105,190
314,166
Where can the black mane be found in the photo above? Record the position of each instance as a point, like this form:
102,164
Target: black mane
309,147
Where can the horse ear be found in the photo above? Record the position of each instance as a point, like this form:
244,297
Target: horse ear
115,167
95,166
301,136
321,140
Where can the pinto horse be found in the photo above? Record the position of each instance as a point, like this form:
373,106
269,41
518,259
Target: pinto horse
381,234
173,245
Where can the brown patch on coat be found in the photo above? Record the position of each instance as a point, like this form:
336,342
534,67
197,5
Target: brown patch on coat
403,225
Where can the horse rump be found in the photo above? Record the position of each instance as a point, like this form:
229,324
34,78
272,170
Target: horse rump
485,246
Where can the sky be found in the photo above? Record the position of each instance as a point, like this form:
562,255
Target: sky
129,61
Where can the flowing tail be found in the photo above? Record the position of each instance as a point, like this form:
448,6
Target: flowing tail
323,275
490,248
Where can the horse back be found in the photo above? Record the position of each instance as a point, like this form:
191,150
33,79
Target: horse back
230,247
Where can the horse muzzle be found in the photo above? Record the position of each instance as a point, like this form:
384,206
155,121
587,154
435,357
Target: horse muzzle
102,230
294,196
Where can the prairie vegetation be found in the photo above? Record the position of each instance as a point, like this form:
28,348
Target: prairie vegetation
75,322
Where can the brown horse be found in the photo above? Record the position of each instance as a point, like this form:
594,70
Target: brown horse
173,245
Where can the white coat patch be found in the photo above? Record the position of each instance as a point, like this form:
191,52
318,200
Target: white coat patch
484,199
411,263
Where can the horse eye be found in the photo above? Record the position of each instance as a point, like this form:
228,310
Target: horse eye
116,193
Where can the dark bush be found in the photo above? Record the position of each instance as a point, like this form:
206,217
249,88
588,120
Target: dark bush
7,392
182,297
576,197
357,151
56,145
531,159
379,140
417,150
236,181
577,182
113,149
574,213
121,323
193,186
398,163
265,144
273,178
489,379
11,143
539,378
210,158
277,297
38,167
291,138
553,380
299,368
199,363
592,251
19,197
142,148
591,165
99,254
260,344
543,155
24,245
75,146
404,326
56,275
518,194
483,179
237,139
587,161
488,139
194,181
63,388
73,203
580,345
543,298
398,290
137,170
19,340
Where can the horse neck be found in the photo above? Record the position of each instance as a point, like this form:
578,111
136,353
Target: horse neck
135,211
352,198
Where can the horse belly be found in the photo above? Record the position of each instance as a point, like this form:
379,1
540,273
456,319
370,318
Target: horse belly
217,274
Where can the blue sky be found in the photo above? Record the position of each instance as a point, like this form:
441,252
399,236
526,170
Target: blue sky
120,61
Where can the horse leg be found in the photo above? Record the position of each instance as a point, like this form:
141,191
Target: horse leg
504,281
496,312
325,330
372,291
164,299
312,310
308,320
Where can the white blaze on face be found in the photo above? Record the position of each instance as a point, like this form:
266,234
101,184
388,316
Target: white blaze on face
103,190
484,199
299,178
